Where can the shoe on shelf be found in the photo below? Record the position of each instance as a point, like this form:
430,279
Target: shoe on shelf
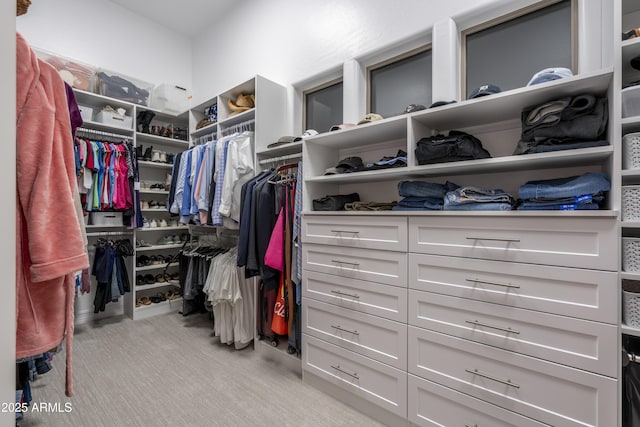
148,153
144,185
145,223
163,223
153,223
153,204
155,156
142,261
160,278
167,181
163,157
144,204
165,240
143,301
140,280
149,279
184,237
143,244
173,222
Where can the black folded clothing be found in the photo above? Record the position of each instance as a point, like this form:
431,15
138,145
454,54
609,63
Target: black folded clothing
335,202
455,147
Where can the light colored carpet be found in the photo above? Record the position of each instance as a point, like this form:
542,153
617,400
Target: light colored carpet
169,371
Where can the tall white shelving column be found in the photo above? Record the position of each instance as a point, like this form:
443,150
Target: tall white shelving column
8,194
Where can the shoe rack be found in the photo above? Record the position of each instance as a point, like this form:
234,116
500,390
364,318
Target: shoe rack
159,136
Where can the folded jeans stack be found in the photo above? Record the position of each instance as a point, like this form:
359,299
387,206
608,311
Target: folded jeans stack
584,192
420,195
478,199
564,124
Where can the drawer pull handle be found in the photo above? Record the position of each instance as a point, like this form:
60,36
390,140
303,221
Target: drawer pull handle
345,330
492,378
355,264
506,285
498,328
346,294
338,368
469,425
494,240
345,231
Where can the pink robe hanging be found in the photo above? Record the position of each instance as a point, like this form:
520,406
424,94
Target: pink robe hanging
49,245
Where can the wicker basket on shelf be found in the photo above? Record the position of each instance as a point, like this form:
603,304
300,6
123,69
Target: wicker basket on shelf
22,6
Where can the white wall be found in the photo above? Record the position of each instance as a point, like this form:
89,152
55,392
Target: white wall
104,34
290,40
8,196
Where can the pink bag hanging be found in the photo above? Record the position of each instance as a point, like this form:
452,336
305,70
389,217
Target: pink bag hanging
274,256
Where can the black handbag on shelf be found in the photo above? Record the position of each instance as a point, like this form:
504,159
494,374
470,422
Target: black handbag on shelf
455,147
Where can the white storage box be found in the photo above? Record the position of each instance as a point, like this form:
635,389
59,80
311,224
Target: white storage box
115,85
170,99
631,151
631,101
86,113
106,219
77,74
114,119
631,203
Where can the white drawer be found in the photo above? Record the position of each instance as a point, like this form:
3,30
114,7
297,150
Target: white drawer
569,241
370,232
380,339
433,405
585,294
365,264
385,301
374,381
551,393
572,342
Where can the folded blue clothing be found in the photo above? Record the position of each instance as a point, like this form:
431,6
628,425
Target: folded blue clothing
425,189
574,186
408,208
433,203
559,207
478,207
471,195
585,198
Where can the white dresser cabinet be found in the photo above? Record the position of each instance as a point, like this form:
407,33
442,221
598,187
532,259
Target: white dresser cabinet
354,317
581,242
433,405
511,317
538,340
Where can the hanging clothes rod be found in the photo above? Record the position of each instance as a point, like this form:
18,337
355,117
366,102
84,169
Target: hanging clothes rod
104,134
240,127
204,139
281,158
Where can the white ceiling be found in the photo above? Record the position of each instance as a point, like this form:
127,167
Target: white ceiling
188,17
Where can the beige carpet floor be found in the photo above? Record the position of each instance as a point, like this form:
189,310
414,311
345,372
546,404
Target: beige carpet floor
169,371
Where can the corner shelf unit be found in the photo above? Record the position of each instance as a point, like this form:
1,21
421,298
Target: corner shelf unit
152,173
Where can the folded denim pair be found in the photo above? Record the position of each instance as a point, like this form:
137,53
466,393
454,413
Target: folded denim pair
425,189
574,186
421,203
474,198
